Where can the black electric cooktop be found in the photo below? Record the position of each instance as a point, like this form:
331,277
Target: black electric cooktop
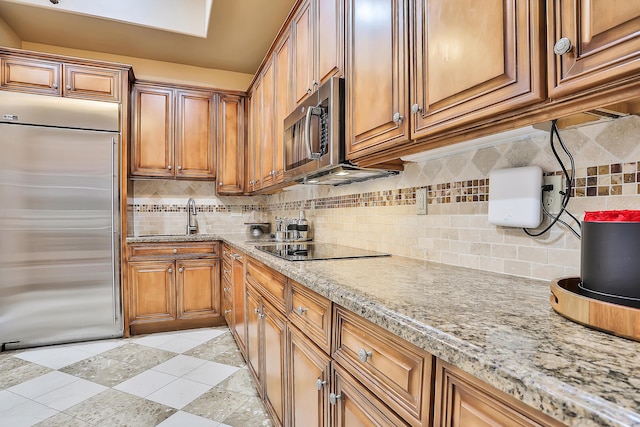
316,251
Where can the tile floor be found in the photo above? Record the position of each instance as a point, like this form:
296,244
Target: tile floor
194,378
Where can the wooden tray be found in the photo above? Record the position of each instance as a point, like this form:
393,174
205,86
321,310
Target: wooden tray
612,318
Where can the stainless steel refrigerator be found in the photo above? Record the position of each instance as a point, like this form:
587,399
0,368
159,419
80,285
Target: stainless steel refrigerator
59,220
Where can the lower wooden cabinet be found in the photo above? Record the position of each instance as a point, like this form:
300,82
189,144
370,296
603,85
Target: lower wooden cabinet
464,401
308,383
356,406
172,286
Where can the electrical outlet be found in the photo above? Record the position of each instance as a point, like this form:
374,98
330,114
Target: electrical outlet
552,200
421,201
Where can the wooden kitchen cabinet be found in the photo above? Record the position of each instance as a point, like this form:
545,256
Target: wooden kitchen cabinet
308,383
464,401
91,83
376,77
173,133
231,145
318,45
233,273
283,102
311,313
172,286
472,62
603,41
267,127
254,165
355,406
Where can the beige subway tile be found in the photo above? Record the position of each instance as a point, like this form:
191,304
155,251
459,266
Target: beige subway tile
564,257
546,271
517,268
504,251
482,249
533,254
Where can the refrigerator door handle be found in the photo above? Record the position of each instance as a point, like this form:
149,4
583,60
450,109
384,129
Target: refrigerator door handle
114,230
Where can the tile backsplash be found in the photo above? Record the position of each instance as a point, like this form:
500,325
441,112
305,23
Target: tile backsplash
381,214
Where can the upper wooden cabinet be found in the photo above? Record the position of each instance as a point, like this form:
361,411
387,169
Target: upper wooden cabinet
597,42
318,43
470,63
173,133
283,103
254,165
59,79
267,127
376,75
231,145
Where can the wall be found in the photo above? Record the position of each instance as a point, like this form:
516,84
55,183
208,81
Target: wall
166,72
381,214
8,38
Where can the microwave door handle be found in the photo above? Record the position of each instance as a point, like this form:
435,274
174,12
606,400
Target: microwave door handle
307,131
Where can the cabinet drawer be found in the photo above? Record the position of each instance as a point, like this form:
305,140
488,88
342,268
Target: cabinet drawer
175,250
270,282
395,370
227,253
91,83
311,313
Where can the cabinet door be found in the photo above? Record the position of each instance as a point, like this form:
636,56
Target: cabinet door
198,288
500,41
24,75
605,43
283,102
230,144
91,83
308,379
464,401
268,126
329,39
274,350
227,302
376,75
239,308
194,147
302,31
254,336
255,140
152,132
152,291
355,406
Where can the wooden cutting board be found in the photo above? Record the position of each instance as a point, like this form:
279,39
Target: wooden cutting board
612,318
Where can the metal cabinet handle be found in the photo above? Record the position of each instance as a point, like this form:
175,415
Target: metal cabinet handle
170,270
225,272
169,167
398,118
179,167
301,310
256,311
175,251
54,86
227,311
220,184
309,91
261,316
363,355
314,83
225,289
320,384
180,270
562,46
68,87
415,109
333,398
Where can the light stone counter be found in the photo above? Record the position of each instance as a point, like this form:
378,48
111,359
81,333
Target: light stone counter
499,328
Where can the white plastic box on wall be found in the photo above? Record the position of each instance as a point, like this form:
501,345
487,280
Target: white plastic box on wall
515,197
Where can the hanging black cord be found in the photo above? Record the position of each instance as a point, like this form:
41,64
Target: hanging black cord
570,181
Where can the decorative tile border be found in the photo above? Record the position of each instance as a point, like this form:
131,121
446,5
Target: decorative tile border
608,180
159,208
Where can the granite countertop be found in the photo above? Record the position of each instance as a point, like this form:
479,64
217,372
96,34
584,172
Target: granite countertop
499,328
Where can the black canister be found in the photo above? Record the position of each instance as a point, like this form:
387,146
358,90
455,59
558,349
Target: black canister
610,262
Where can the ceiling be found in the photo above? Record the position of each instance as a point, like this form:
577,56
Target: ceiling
240,32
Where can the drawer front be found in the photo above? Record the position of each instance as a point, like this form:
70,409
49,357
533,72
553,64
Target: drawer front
398,372
311,313
270,282
227,272
227,253
91,83
175,250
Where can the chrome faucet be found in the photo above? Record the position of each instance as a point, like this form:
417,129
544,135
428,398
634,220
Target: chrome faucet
192,225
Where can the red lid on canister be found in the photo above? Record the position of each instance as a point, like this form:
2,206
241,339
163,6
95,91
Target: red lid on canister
613,216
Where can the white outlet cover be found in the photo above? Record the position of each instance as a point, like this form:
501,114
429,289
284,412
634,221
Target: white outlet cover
515,197
421,201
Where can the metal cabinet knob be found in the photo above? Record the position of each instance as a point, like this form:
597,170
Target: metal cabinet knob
333,398
175,251
180,270
398,118
309,91
179,167
320,384
225,272
301,310
68,87
169,167
363,355
562,46
261,316
415,109
227,311
225,289
314,83
256,311
54,86
220,184
170,270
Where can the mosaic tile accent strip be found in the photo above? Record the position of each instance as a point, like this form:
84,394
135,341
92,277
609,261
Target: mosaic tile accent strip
608,180
157,208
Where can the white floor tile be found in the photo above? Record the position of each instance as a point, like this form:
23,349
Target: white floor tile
97,347
211,373
10,400
27,414
153,340
203,335
55,357
145,383
179,365
181,419
70,394
43,384
178,344
179,393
